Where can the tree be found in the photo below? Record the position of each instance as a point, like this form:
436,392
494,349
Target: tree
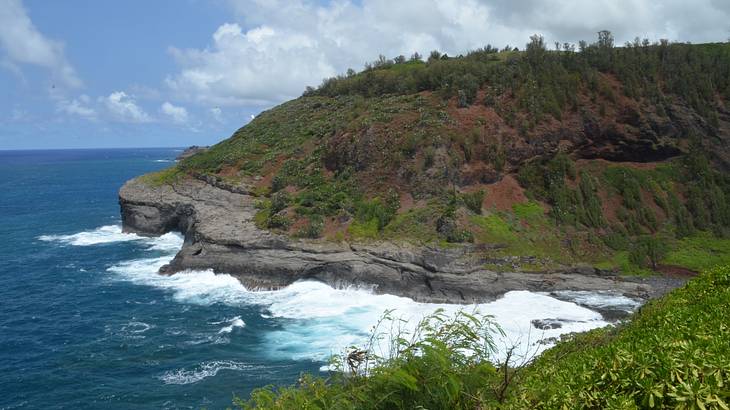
435,55
648,251
535,49
605,39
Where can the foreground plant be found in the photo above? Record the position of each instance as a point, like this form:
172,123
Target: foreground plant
444,362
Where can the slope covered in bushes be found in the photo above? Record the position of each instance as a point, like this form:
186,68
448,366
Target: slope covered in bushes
540,158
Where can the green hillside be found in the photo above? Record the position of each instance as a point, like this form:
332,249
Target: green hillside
611,156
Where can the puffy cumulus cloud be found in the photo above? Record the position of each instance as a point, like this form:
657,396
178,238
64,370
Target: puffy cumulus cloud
124,108
177,114
22,43
79,107
256,67
277,47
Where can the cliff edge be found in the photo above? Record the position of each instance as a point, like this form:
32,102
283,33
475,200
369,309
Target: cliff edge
220,235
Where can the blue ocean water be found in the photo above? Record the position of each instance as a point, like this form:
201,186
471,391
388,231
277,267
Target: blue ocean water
73,334
86,321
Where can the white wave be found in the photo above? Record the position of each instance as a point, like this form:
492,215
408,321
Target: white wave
600,300
113,233
315,320
329,320
197,287
201,371
235,322
163,160
104,234
318,321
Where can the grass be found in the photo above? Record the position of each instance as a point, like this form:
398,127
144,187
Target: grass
165,177
494,229
699,252
531,212
415,225
367,230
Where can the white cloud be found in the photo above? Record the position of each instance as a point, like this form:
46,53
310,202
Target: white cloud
79,107
124,108
22,43
177,114
216,113
277,47
257,67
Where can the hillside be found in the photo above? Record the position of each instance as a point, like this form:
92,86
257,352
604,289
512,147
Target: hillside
535,160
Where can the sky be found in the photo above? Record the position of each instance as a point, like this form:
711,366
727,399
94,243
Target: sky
172,73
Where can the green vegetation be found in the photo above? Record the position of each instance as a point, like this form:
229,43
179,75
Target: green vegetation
443,130
674,353
700,252
165,177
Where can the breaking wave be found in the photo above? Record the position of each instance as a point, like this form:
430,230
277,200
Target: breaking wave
314,320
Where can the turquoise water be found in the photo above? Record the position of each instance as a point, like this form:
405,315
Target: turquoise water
86,321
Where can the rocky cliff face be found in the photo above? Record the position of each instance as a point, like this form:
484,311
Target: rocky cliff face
220,235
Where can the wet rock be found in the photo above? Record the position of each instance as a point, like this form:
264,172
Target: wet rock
546,324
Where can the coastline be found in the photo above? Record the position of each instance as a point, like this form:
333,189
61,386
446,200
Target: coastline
217,223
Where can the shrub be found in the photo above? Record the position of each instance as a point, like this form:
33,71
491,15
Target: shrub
648,251
616,240
313,228
473,200
382,212
442,364
277,221
279,201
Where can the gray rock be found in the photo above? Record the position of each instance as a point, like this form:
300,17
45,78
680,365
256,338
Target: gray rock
220,235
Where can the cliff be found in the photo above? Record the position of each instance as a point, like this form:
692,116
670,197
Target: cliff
458,179
220,234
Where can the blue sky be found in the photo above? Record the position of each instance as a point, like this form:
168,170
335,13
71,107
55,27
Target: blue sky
133,73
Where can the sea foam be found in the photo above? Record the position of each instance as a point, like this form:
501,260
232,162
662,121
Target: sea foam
202,371
316,321
113,233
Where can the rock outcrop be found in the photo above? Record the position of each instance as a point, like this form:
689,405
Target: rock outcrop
220,235
190,151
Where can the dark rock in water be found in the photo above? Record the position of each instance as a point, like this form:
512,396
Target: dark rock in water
550,340
546,324
220,234
190,151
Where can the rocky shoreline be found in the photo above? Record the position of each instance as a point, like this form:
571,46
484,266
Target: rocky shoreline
220,235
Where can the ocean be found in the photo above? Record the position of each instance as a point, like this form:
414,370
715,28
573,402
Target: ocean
86,321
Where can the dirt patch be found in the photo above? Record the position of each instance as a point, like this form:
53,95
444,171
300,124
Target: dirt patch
503,194
229,171
406,202
675,271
